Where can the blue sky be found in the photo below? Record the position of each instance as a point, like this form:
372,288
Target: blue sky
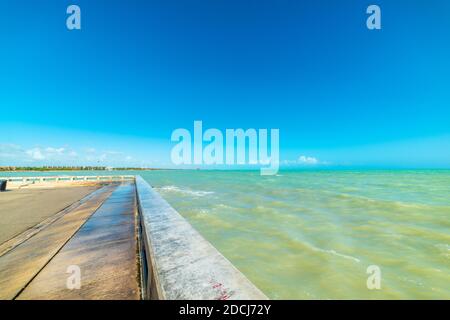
113,92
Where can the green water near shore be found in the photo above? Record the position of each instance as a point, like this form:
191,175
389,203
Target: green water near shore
312,234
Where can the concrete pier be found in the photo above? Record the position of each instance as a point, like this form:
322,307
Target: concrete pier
126,241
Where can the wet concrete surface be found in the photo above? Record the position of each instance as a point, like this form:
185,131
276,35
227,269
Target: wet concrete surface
104,249
21,209
21,264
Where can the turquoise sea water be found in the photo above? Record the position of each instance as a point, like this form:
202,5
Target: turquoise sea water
312,234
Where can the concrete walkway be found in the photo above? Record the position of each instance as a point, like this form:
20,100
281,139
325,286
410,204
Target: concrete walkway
104,250
21,209
97,235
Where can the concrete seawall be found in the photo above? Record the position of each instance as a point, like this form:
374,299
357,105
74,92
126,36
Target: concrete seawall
178,262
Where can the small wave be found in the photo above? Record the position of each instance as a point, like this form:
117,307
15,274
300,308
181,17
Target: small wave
333,252
222,205
444,248
415,282
196,193
384,202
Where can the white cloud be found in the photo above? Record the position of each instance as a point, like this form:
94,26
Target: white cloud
11,151
304,160
55,150
35,154
48,153
107,157
11,154
307,160
112,152
17,154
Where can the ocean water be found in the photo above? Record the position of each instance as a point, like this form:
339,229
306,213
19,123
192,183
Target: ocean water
313,234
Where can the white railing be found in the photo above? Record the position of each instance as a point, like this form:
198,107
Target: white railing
42,179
